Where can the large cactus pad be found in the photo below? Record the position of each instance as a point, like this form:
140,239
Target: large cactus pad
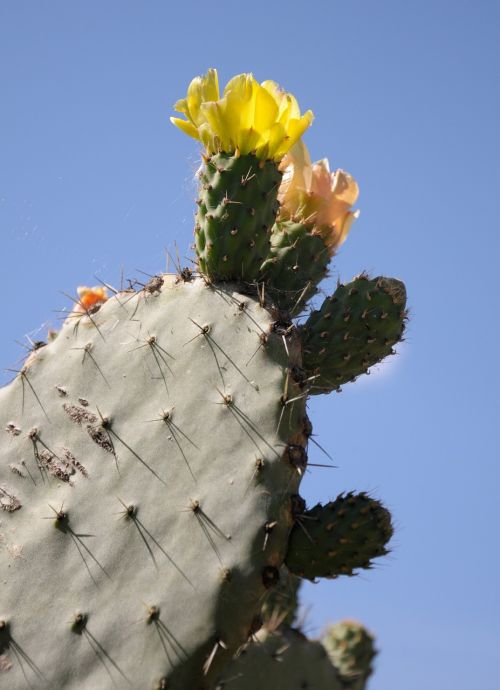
145,490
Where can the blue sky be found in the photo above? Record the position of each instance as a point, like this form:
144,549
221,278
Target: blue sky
94,178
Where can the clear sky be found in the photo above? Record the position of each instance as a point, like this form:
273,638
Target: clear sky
93,177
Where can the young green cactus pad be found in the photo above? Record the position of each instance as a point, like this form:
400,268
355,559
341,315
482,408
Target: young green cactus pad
335,539
281,659
354,329
144,458
296,263
351,648
237,206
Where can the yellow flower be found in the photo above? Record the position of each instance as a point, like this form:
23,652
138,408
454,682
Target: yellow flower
89,297
312,194
249,118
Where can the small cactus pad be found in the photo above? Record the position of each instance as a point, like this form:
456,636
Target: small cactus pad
281,660
296,264
351,648
335,539
237,207
354,329
143,453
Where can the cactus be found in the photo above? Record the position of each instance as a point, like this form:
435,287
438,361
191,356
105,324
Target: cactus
351,649
355,328
297,261
282,658
114,472
332,540
152,450
281,602
236,208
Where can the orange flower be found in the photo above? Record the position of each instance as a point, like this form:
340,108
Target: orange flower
313,195
89,297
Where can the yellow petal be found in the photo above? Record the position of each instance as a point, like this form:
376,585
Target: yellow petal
215,116
250,117
275,136
266,110
185,126
200,90
295,130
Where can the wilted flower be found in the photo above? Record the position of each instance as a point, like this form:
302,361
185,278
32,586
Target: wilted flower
90,297
249,118
313,195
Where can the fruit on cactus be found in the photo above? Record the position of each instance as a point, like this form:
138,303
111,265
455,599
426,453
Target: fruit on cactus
339,537
351,648
354,329
246,133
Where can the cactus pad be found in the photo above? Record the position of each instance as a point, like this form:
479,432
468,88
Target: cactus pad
237,207
143,454
337,538
296,264
352,650
279,660
354,329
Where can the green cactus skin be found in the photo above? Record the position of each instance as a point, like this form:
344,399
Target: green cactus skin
351,648
354,329
337,538
296,264
143,453
237,207
283,659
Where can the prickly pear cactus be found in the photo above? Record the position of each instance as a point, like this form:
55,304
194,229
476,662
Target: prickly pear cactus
151,452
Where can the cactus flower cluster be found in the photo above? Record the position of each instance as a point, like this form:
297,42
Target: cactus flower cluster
152,533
